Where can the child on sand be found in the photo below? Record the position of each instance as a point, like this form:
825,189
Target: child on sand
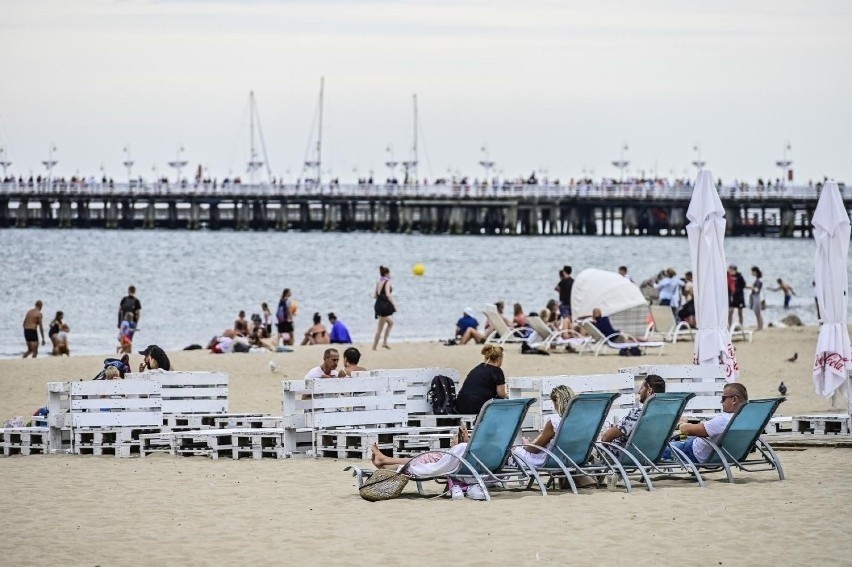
125,335
62,340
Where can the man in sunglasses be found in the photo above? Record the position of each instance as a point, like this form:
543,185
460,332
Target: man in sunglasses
696,447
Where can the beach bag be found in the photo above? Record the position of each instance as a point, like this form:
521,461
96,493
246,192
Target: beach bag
442,395
383,484
383,307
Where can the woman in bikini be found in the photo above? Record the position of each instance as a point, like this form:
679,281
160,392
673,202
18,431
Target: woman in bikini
317,333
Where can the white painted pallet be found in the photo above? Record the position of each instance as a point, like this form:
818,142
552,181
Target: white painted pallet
248,422
411,445
356,443
418,381
431,420
213,443
826,424
24,440
150,443
258,443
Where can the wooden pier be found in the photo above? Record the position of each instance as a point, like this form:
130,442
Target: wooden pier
536,210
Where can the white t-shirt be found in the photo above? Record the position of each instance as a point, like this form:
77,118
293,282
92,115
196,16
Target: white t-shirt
317,372
225,344
715,427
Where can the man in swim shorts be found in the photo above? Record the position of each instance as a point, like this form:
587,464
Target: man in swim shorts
32,327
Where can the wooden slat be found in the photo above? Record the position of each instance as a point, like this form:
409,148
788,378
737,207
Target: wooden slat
114,387
182,378
121,418
339,419
118,403
195,406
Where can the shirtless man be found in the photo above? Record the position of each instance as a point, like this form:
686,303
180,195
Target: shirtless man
32,326
787,289
351,360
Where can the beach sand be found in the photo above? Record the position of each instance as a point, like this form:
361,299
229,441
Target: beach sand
76,510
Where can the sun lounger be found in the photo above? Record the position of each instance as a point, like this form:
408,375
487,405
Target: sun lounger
740,445
575,438
501,333
601,342
487,453
738,333
667,327
643,451
545,337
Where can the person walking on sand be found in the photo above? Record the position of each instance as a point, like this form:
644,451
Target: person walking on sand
384,307
53,330
32,326
755,301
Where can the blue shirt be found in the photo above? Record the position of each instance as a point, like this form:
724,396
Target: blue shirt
465,323
605,327
340,334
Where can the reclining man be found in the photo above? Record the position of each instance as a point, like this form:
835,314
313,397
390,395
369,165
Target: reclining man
696,447
620,433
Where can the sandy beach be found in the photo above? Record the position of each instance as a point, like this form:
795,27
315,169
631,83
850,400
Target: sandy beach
74,510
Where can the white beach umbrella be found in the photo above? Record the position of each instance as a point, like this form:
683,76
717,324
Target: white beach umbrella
831,232
609,291
706,232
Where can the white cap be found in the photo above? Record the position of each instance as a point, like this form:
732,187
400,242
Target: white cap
468,311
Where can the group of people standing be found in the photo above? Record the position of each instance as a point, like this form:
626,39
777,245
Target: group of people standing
57,332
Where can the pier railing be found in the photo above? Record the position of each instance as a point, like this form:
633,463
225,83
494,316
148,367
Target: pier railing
645,191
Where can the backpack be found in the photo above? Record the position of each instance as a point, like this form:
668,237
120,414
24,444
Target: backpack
442,395
128,305
122,368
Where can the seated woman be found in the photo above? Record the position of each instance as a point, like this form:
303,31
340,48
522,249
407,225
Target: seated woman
317,333
241,325
485,382
531,452
519,319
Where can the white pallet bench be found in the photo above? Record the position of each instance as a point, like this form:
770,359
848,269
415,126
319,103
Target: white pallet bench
258,443
190,392
418,381
340,403
826,424
24,440
706,381
101,406
118,441
539,387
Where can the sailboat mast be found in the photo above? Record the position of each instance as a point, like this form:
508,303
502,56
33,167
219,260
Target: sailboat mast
251,137
414,146
319,135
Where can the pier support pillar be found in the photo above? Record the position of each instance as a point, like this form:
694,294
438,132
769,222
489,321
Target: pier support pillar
64,215
281,221
22,213
149,219
5,220
215,220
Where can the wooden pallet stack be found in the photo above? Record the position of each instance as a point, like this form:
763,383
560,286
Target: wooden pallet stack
24,441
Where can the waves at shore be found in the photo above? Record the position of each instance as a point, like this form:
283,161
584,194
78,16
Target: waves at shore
193,284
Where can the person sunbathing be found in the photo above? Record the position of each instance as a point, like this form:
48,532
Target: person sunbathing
604,325
317,333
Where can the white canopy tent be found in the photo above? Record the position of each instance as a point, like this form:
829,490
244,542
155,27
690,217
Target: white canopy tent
831,285
617,297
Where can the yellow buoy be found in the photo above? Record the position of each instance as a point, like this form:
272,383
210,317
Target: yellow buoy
419,269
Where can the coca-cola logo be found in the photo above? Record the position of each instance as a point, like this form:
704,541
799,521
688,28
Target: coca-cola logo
833,360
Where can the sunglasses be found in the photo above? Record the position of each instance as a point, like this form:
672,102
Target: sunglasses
728,397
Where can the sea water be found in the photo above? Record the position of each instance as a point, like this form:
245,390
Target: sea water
193,284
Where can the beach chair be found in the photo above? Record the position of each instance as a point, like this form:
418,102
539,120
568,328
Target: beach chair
738,333
600,342
741,438
548,337
501,333
667,327
575,439
643,451
486,455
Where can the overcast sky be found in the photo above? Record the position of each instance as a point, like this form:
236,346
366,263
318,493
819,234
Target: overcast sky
545,85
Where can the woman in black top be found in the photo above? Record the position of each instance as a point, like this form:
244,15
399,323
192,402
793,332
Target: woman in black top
485,382
53,331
